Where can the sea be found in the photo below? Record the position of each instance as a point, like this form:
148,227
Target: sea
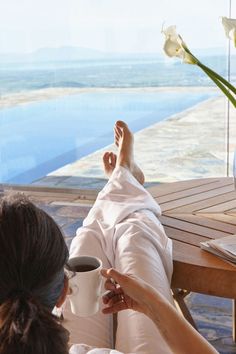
38,137
111,73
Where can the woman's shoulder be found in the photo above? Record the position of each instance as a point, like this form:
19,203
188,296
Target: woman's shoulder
87,349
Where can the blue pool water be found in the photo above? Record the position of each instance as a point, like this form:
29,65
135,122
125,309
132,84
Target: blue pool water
38,138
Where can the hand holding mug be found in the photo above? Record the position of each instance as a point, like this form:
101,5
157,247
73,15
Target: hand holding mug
126,292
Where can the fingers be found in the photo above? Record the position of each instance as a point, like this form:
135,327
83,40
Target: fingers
106,272
110,284
115,275
115,308
113,297
115,301
112,293
123,292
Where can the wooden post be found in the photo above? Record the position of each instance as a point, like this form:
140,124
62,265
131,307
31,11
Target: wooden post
179,295
234,320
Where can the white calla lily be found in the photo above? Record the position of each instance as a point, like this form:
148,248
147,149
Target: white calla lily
173,49
229,25
174,46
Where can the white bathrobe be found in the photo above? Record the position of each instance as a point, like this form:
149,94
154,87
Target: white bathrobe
123,230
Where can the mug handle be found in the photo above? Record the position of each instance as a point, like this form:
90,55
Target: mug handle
74,289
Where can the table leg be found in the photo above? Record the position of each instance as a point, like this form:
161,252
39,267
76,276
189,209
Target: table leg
234,320
115,323
179,295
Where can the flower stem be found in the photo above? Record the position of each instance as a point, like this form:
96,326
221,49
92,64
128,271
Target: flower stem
212,73
218,77
220,85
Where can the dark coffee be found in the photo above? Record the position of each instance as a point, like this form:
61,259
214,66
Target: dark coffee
84,268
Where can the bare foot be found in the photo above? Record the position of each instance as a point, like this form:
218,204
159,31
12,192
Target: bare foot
109,162
124,140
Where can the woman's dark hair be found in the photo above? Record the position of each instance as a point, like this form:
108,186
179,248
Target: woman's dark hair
32,258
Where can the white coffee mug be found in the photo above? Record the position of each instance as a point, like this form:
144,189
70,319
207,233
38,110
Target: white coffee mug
85,282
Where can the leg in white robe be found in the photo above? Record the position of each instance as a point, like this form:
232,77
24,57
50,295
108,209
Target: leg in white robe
123,230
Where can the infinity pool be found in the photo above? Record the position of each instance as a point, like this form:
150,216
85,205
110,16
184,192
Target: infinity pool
40,137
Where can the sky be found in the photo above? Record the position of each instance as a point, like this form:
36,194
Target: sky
109,25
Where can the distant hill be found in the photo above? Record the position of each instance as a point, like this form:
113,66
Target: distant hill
54,54
68,53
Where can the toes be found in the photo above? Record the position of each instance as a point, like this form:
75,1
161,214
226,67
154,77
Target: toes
116,136
122,128
109,162
118,133
121,124
113,158
106,158
109,159
117,141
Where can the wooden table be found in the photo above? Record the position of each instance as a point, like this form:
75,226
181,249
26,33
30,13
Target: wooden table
195,211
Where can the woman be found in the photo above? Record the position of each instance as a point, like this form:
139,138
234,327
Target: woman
32,258
123,230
